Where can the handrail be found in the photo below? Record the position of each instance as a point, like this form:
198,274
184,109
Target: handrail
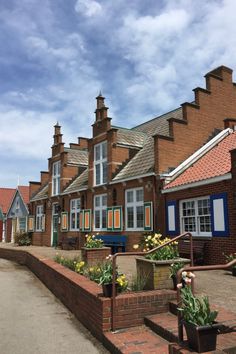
186,234
196,269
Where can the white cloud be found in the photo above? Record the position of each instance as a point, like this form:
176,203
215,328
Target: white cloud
88,8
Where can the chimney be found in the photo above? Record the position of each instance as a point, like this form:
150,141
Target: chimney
57,134
101,111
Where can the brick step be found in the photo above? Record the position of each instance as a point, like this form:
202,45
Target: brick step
164,324
135,340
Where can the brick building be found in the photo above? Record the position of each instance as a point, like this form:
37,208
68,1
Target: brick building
111,183
200,197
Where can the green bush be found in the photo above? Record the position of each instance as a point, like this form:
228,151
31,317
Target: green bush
23,238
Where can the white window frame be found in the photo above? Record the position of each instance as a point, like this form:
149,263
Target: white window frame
99,208
134,204
56,175
99,163
39,218
75,210
25,221
196,216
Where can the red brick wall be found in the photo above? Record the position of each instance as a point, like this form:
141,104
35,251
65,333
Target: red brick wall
212,107
215,246
93,256
83,298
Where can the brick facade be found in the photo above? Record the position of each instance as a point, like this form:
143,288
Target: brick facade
177,135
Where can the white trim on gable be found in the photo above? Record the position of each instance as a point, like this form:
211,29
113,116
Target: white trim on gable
198,183
196,156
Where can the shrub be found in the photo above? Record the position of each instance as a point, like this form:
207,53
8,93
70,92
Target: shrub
23,238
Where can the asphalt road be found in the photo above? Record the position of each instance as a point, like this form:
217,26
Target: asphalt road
33,321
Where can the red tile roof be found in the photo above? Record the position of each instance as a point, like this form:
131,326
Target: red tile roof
24,191
6,196
215,162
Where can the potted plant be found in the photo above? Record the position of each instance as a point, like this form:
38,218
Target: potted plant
198,319
94,250
230,258
157,264
105,279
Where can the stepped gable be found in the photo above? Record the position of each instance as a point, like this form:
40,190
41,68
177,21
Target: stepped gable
214,163
6,196
206,110
79,183
41,194
77,157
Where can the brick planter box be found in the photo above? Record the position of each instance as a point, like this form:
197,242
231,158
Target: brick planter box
93,256
157,273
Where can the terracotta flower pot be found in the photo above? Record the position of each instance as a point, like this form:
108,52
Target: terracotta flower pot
201,338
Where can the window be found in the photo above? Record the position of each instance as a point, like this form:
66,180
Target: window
39,218
100,163
195,216
134,209
56,172
22,224
74,214
100,212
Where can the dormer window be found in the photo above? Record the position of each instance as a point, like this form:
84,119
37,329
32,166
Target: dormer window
100,163
56,173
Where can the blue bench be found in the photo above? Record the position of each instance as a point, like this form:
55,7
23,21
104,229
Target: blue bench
116,242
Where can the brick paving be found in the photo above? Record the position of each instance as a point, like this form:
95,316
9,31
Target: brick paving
137,340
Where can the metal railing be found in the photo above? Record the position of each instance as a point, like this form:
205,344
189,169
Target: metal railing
196,269
113,304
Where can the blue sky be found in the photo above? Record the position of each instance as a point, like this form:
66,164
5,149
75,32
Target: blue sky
56,55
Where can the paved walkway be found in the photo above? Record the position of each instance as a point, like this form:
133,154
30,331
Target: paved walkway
33,321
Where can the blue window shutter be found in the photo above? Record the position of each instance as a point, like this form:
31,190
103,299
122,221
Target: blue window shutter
172,223
219,215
